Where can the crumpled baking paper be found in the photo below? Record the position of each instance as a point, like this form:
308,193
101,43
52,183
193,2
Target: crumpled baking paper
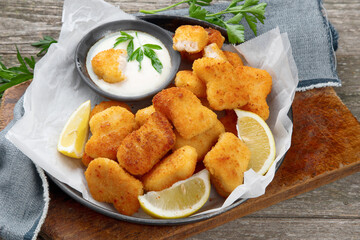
57,90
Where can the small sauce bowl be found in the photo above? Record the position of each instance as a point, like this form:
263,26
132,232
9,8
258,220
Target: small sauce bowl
104,30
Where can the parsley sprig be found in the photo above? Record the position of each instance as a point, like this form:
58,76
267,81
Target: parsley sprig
139,53
250,10
12,76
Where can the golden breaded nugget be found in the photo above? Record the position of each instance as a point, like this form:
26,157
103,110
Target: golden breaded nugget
107,65
185,111
106,104
108,182
233,58
227,161
191,39
178,166
215,37
202,142
223,89
109,127
229,121
258,84
187,79
142,115
144,147
213,51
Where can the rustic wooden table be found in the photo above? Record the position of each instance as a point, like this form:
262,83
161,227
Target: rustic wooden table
329,212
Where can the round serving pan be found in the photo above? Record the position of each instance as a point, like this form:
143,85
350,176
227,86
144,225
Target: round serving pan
169,23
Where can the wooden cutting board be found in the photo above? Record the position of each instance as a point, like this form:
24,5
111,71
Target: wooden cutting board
325,147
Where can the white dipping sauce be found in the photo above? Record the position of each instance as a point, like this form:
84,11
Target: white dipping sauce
137,82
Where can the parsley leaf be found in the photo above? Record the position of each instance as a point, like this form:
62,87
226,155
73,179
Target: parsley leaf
250,10
44,44
139,53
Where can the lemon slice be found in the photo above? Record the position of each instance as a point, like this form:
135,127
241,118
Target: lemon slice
182,199
256,134
75,132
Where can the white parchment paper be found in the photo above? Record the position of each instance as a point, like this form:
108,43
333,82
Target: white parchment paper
57,90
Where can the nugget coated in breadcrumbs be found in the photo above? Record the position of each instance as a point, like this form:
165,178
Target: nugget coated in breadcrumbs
223,90
109,127
143,148
258,84
187,79
227,161
202,142
191,39
108,182
185,111
215,37
108,65
178,166
106,104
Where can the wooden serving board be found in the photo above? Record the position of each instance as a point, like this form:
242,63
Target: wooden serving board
325,147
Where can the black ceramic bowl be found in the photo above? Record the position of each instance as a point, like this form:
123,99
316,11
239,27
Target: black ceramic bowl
122,25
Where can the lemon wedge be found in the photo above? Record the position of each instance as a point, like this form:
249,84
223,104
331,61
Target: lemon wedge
256,134
182,199
75,132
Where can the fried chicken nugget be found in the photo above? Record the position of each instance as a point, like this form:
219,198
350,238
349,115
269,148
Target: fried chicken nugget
213,51
142,115
108,182
185,111
178,166
108,65
191,57
86,159
233,58
109,127
143,148
106,104
223,89
227,161
202,142
258,85
215,37
191,39
187,79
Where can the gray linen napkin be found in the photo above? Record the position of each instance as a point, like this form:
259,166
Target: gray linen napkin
24,194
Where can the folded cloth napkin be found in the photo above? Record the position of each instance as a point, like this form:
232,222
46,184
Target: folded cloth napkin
24,195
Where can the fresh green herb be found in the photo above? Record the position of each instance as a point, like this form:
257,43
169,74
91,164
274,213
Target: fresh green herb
250,10
15,75
44,44
138,54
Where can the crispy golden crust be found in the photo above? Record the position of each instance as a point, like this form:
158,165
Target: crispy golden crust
143,148
187,79
233,58
215,37
107,65
223,89
178,166
108,129
106,104
213,51
258,84
108,182
227,161
185,111
202,142
142,115
191,39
